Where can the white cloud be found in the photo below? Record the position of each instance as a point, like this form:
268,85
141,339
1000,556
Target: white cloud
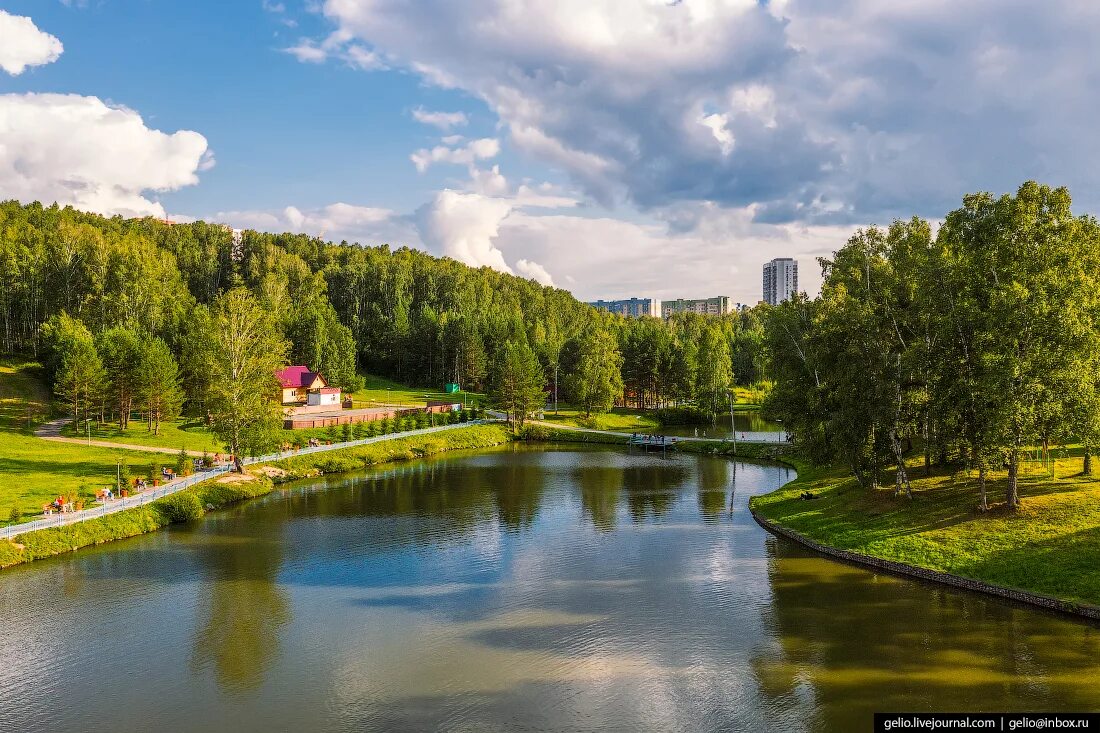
814,112
488,182
80,151
534,271
463,226
23,45
340,45
717,124
443,120
481,149
339,221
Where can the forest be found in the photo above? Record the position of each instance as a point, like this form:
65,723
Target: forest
972,342
146,316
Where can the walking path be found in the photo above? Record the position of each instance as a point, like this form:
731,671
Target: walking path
52,431
118,505
750,437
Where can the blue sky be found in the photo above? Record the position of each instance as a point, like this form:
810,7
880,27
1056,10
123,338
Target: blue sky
611,147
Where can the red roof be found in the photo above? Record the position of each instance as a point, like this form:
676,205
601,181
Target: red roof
330,390
292,377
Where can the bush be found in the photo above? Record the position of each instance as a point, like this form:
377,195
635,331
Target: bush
359,430
346,433
683,416
14,515
181,507
183,463
535,433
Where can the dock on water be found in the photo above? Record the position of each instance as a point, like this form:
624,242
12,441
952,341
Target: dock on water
647,443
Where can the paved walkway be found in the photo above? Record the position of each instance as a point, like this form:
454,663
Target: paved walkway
118,505
752,437
52,431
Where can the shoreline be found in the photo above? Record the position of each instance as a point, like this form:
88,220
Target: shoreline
217,493
226,489
1050,603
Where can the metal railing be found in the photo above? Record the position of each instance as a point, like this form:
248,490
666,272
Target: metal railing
129,502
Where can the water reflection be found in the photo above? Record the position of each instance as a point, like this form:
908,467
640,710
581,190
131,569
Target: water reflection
243,609
600,490
859,642
532,589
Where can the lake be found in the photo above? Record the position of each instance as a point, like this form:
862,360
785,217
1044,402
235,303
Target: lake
514,589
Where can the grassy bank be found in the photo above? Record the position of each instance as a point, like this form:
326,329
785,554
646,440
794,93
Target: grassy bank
183,506
747,451
398,449
621,418
191,503
34,471
1050,546
186,433
382,391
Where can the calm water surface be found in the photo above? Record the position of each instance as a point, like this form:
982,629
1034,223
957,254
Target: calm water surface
510,590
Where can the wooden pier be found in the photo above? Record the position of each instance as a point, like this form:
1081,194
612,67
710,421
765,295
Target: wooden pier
648,443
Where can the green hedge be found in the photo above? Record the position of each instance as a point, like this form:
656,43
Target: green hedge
399,449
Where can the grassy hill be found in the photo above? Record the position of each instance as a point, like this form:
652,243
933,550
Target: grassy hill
33,471
1051,545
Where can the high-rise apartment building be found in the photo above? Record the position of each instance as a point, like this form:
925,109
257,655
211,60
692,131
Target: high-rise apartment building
780,280
634,307
717,306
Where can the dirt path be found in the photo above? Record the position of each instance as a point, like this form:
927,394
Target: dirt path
52,431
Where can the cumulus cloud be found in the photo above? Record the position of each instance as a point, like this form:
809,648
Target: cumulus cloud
443,120
339,45
462,226
534,271
809,112
22,44
468,154
80,151
338,221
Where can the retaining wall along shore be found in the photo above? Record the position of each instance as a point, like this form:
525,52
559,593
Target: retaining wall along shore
935,576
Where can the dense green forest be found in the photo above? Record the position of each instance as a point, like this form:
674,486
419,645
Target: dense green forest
110,303
974,343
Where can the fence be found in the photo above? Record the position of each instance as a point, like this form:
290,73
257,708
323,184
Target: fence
129,502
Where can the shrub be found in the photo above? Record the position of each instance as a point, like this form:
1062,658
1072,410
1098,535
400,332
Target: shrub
359,430
537,433
333,433
181,507
683,416
183,463
346,432
14,515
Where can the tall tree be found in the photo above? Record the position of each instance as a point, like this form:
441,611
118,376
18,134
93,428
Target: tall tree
121,349
78,373
518,383
159,387
596,380
715,373
244,350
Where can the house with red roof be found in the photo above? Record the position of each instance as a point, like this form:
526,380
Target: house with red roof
302,386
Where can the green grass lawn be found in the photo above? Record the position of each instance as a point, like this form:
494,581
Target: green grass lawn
186,433
34,471
1051,545
382,391
620,418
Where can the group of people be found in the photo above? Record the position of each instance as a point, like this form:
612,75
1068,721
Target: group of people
647,438
60,504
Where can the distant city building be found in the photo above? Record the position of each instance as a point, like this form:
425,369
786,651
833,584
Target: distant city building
780,280
634,307
717,306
